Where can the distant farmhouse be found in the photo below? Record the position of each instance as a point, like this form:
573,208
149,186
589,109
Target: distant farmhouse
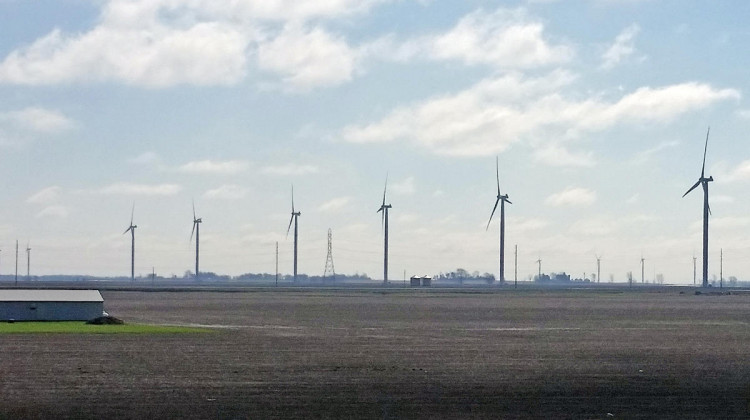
50,305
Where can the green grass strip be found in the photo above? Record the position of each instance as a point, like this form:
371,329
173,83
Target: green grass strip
76,327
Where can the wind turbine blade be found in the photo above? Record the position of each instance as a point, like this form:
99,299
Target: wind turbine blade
132,211
192,231
692,188
290,225
386,188
497,173
128,229
292,202
382,221
507,201
492,214
705,149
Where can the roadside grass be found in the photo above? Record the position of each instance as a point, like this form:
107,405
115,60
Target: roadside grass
78,327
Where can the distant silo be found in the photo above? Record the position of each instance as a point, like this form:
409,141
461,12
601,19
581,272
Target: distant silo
50,305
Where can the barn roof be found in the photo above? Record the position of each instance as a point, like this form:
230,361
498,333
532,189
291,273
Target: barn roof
45,295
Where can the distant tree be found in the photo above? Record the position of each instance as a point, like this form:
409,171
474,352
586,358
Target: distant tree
733,281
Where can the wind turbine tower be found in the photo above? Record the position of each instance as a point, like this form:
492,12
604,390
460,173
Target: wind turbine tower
643,260
598,268
384,222
703,181
502,199
131,229
28,262
197,231
295,215
539,276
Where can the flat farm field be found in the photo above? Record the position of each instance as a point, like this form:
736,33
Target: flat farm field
390,353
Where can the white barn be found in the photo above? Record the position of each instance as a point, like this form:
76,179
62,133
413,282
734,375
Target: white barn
50,305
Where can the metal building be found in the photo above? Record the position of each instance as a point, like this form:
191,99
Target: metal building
416,281
50,305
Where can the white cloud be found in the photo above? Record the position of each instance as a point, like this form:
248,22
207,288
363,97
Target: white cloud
45,196
622,48
226,192
31,123
308,58
504,38
125,188
161,43
572,197
38,119
140,52
739,173
334,205
55,211
289,169
557,155
403,187
490,116
214,167
645,156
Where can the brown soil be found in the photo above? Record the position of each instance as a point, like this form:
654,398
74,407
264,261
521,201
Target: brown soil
377,354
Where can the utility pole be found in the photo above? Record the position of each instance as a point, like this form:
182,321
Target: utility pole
694,258
515,269
598,269
16,262
153,276
277,263
721,268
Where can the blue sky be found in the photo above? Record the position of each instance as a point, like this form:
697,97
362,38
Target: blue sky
597,111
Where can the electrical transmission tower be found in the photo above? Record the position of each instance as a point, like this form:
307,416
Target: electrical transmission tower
329,270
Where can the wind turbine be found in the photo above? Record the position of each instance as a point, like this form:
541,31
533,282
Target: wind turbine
197,230
703,181
295,215
131,229
502,199
384,224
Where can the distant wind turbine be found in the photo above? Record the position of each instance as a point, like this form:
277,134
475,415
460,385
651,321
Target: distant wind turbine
502,199
703,181
28,261
197,230
598,267
384,224
131,229
295,215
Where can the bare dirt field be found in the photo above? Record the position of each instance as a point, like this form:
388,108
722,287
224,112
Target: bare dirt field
318,353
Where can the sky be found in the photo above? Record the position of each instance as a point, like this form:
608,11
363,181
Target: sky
596,111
